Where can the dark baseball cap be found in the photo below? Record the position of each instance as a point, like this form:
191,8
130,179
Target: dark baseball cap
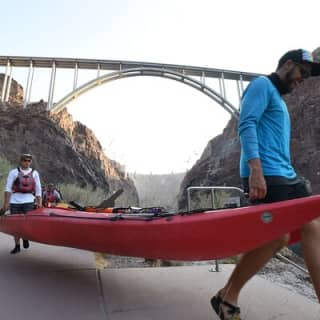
301,56
25,156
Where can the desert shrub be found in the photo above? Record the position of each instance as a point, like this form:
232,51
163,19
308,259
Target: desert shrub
232,260
5,167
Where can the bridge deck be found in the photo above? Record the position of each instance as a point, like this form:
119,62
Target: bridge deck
70,63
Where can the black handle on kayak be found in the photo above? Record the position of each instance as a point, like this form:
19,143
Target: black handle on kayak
77,206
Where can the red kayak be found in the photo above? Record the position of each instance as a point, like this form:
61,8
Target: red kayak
190,236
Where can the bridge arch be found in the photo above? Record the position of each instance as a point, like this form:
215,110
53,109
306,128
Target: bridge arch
147,71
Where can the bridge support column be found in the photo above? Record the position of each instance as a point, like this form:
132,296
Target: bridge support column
29,85
240,87
203,78
5,80
52,84
222,86
75,77
98,70
9,78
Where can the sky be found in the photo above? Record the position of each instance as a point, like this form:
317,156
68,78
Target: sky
153,125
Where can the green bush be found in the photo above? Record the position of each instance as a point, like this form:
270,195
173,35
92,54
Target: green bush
232,260
82,196
5,167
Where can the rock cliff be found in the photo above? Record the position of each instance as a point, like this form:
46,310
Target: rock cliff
64,151
87,145
219,162
16,91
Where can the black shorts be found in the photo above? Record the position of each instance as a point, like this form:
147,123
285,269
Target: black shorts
283,190
21,208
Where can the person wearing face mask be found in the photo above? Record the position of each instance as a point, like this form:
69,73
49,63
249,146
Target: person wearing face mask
22,192
267,173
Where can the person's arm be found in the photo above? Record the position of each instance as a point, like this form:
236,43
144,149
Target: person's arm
57,195
38,202
8,188
44,198
38,191
6,202
257,183
253,105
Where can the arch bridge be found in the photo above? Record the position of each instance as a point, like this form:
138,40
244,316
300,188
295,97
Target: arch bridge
192,76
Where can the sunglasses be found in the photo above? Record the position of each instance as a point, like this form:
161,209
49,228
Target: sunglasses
304,71
26,160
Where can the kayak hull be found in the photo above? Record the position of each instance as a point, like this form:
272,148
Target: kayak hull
190,237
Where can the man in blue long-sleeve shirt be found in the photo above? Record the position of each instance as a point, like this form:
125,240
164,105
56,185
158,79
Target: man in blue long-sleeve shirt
267,173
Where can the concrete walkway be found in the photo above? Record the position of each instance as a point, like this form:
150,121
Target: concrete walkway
47,282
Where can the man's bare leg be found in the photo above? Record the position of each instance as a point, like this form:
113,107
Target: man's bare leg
249,264
310,242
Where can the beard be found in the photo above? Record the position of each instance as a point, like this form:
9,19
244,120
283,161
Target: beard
288,81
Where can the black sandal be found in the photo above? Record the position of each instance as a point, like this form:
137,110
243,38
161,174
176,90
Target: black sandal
232,312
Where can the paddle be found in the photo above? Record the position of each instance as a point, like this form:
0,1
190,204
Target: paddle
107,203
77,206
110,202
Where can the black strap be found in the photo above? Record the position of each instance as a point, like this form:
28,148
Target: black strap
28,173
232,309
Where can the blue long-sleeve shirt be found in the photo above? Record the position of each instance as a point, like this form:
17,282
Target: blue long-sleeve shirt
264,130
